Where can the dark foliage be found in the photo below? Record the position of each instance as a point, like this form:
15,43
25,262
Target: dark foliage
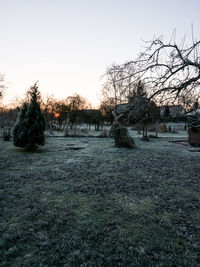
166,112
28,132
121,136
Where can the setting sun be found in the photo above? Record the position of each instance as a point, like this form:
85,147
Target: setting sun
57,115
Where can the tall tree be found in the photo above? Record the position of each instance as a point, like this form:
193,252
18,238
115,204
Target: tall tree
28,132
189,101
48,105
61,111
106,108
166,68
75,103
2,86
138,90
112,90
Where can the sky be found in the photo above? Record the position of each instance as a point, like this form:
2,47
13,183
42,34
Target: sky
67,45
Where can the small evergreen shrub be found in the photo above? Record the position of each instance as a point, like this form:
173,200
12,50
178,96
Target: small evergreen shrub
121,136
29,130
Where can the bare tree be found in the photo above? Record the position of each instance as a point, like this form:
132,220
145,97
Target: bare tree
75,104
106,108
49,106
113,90
167,69
120,87
2,86
189,101
138,90
61,112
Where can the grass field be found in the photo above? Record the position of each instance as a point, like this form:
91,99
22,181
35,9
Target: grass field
83,202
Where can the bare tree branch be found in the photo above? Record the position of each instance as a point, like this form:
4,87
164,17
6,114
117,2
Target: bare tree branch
2,86
167,68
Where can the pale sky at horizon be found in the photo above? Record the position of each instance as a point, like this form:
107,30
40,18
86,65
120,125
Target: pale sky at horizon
67,45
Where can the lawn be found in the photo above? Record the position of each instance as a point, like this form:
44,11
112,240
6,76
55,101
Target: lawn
83,202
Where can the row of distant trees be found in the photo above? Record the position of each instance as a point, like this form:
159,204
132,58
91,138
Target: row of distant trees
74,109
2,86
61,113
36,114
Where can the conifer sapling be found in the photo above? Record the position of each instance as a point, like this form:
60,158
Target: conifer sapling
29,130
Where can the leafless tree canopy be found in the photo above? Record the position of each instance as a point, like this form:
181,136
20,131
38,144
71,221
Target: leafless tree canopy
2,86
167,69
113,90
119,87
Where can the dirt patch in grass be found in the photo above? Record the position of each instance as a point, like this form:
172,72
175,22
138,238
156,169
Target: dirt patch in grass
99,205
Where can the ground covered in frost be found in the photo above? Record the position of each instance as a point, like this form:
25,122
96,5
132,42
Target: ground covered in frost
83,202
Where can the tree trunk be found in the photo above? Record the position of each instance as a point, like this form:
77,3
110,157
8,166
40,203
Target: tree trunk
156,129
146,130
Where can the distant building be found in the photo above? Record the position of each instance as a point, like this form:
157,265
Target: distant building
173,111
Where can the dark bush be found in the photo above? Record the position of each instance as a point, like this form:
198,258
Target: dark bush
28,132
121,136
